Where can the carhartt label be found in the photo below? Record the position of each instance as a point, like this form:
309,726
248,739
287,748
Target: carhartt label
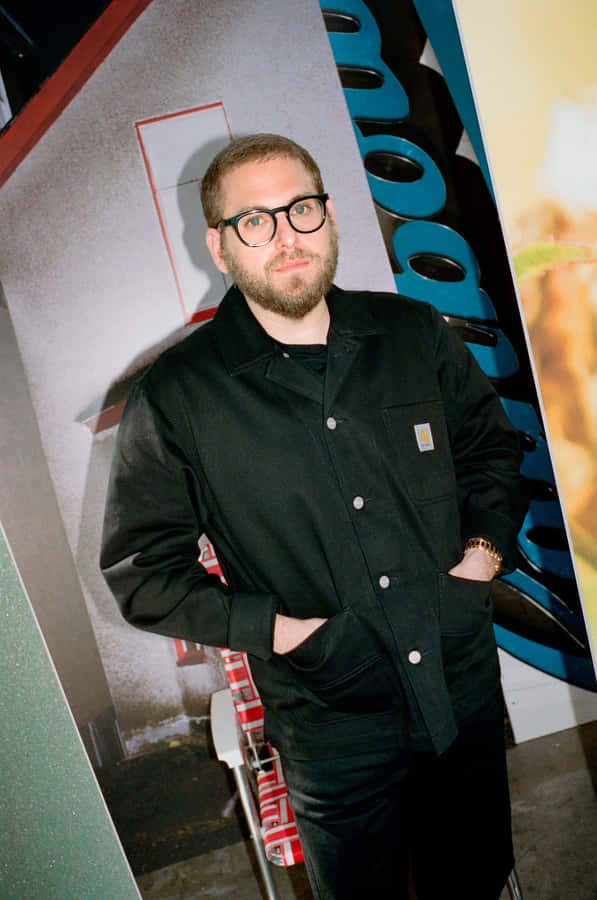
424,437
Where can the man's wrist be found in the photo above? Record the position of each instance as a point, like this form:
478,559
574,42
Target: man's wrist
283,635
290,632
479,543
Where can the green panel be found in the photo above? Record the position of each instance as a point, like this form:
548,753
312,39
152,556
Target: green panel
57,840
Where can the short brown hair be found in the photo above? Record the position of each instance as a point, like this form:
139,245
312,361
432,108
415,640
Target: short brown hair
250,148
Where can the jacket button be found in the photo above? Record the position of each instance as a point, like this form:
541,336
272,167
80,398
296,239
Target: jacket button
414,657
286,355
331,423
358,503
384,581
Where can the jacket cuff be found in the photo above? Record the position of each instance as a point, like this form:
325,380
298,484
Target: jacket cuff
251,624
497,529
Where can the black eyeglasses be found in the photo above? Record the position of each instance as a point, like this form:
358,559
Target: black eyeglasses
257,227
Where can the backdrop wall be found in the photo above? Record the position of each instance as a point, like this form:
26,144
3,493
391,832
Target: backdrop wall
89,284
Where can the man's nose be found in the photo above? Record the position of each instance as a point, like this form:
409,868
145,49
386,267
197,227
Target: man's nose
285,234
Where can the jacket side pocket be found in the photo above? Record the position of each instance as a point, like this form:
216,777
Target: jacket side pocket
345,666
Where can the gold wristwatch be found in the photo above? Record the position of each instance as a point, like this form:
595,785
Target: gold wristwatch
490,549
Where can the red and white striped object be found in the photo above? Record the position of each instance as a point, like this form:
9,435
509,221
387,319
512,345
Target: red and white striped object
280,835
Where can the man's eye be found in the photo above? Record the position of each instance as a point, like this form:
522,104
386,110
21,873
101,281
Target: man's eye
301,209
254,221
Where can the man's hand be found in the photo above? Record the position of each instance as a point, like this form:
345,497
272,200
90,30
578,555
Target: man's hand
476,565
290,632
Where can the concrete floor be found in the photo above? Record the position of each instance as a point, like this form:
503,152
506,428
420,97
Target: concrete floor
553,782
553,785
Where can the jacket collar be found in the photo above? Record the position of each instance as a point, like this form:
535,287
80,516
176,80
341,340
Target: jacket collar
243,342
241,339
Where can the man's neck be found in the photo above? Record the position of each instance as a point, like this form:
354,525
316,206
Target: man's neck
311,329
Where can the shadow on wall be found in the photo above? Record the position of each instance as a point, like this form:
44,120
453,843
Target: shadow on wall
194,225
153,698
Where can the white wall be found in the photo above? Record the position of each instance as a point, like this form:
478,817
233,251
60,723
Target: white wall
86,274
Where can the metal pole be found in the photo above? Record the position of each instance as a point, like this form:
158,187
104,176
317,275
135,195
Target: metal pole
514,886
246,798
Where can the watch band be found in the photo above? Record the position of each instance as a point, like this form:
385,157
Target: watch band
490,549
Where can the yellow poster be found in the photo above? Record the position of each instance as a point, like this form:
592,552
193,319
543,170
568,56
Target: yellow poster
533,68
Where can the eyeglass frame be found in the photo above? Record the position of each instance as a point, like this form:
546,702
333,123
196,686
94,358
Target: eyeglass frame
234,220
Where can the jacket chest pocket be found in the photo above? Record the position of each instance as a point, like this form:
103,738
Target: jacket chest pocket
421,447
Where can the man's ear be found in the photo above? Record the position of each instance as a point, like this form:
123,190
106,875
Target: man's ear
331,215
213,239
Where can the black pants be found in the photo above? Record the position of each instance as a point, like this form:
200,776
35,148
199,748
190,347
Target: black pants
361,818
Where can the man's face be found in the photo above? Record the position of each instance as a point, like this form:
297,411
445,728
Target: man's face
292,273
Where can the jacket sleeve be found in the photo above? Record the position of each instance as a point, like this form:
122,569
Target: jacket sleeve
153,520
492,494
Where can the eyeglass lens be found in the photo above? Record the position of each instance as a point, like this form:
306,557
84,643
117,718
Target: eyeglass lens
258,227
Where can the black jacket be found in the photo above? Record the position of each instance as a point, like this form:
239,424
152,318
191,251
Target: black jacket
322,501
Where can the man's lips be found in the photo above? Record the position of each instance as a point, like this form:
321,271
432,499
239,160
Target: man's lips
291,264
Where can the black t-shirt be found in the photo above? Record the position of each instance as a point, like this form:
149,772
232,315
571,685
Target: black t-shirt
312,356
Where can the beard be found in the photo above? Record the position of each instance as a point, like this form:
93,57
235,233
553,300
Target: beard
300,294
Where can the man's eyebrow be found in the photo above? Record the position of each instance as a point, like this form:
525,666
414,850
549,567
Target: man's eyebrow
254,208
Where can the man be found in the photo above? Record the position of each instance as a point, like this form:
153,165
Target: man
359,481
